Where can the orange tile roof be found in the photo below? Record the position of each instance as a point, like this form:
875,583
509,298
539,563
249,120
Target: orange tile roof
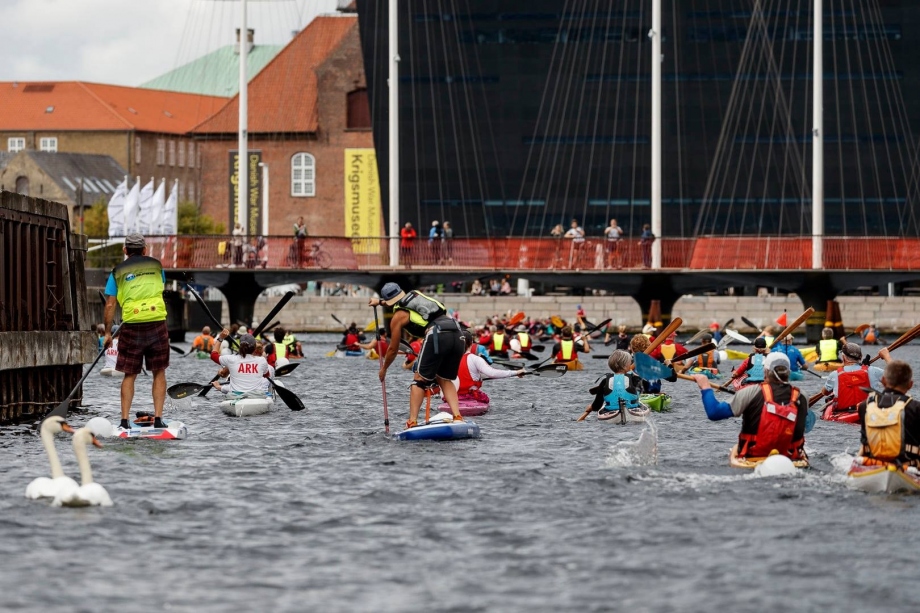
76,105
282,98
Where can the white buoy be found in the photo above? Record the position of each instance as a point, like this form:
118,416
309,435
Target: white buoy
775,466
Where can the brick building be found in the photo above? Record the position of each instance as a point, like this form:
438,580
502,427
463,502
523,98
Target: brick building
305,108
145,131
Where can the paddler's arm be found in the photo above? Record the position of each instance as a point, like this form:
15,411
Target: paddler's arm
715,409
108,317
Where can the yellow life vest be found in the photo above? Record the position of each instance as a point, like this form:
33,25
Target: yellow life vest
567,349
498,341
827,350
524,339
769,340
280,350
668,351
885,429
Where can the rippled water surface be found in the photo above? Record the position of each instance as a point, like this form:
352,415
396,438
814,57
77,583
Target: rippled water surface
320,511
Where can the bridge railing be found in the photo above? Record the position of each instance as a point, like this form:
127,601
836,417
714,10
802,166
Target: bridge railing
516,253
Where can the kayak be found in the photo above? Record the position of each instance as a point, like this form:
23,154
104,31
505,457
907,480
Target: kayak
882,478
348,353
809,354
573,365
111,372
469,407
203,355
830,413
656,402
174,430
624,416
750,463
732,354
826,366
244,407
709,372
441,427
372,355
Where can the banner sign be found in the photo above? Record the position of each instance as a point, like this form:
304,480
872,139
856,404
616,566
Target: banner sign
362,198
254,184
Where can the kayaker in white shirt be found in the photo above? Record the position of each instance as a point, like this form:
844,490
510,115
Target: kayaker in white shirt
246,371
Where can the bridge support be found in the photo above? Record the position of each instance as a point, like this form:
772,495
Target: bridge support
241,291
657,288
815,291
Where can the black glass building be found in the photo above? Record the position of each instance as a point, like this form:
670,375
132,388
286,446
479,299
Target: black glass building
517,115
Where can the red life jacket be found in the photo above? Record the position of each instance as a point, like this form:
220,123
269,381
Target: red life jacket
351,341
466,380
566,351
705,360
382,347
524,339
775,430
848,384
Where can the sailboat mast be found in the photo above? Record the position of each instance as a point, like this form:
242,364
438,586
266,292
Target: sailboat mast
655,35
394,130
817,149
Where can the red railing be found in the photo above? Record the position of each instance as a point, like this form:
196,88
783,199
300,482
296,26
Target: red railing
538,254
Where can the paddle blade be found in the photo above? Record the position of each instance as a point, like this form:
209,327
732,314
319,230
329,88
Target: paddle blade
550,371
289,398
516,319
750,323
184,390
557,321
177,349
650,369
507,365
538,347
599,327
286,369
595,356
737,337
271,314
529,356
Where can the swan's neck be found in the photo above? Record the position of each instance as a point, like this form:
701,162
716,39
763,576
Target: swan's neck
48,442
79,450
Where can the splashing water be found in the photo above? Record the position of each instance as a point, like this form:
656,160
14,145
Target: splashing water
640,452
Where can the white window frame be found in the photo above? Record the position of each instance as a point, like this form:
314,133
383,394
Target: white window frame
191,155
303,175
172,153
15,144
161,152
137,149
48,143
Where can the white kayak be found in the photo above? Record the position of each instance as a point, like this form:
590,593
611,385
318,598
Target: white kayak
174,430
624,416
244,407
882,478
440,427
111,372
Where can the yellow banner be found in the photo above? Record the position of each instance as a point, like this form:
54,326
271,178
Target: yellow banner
362,199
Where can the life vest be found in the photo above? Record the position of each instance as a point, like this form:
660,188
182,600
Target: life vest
774,430
139,283
467,384
885,430
755,372
668,350
566,351
827,350
706,360
280,350
351,341
619,391
206,344
870,336
422,312
498,342
769,340
848,384
524,340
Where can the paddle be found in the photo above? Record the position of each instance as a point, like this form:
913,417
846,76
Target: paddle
718,387
516,319
791,327
595,356
178,350
695,352
859,330
735,336
751,324
651,369
696,337
339,320
210,315
271,314
208,387
812,373
508,365
288,397
557,322
287,369
549,371
594,331
183,390
383,384
61,409
671,327
538,347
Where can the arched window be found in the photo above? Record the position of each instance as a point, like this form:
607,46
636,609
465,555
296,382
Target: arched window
303,175
359,111
22,185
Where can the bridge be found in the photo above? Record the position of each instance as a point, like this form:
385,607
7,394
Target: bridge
242,270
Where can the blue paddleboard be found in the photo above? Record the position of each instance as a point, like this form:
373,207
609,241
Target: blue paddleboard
440,432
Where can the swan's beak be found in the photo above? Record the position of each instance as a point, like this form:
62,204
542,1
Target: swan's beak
66,428
96,443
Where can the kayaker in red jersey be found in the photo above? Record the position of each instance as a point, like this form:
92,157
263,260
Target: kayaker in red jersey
669,351
473,370
890,421
845,382
380,346
772,413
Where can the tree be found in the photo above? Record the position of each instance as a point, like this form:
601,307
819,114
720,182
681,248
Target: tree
192,221
96,219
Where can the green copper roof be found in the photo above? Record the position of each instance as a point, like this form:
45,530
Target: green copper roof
215,74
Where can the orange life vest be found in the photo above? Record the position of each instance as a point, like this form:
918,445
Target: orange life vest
706,360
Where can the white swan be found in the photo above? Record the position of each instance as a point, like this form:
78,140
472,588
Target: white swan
89,494
43,487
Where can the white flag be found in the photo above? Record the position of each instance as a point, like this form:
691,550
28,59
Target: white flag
145,209
171,211
156,209
131,207
116,210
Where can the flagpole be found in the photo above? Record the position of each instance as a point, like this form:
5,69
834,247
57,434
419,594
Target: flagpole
243,153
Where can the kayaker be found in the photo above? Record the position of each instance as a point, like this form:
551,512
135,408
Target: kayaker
708,361
649,330
246,371
378,348
498,344
441,352
622,339
768,334
618,388
473,370
752,366
846,382
797,361
638,344
111,352
567,349
100,336
870,335
669,350
828,347
890,421
204,341
351,339
137,284
295,350
716,332
411,356
279,353
772,414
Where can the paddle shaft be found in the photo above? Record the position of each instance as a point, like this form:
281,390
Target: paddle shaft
695,352
383,384
271,314
671,327
791,327
690,378
210,315
61,409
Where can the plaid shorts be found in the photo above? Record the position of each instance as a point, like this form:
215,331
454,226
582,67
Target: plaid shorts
138,343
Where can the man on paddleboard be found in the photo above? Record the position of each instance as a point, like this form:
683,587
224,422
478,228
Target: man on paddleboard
772,413
441,352
137,284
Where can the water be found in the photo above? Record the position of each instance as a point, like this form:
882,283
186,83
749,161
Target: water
320,511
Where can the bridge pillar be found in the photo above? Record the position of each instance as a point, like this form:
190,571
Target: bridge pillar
241,291
816,290
657,288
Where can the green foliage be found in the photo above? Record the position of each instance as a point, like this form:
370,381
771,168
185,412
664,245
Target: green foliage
191,221
96,220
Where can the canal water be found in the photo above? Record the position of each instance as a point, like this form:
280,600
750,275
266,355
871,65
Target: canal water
319,511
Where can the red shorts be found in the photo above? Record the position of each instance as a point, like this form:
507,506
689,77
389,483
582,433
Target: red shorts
138,343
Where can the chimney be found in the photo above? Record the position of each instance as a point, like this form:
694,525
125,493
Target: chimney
249,38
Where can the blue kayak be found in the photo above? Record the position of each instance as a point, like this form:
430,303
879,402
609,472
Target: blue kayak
440,432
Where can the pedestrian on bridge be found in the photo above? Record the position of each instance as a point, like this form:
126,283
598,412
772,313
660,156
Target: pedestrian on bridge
406,240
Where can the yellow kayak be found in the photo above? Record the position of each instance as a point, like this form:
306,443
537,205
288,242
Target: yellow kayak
809,354
750,463
826,366
573,365
736,355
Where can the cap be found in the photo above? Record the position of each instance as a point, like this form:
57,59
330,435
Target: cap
705,339
714,325
249,340
760,343
852,351
391,293
776,360
135,240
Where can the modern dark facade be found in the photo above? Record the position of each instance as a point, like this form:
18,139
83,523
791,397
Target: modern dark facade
520,114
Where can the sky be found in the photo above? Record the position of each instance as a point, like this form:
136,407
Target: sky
128,42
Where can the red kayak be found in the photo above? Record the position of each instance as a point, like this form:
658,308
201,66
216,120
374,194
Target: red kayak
831,413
